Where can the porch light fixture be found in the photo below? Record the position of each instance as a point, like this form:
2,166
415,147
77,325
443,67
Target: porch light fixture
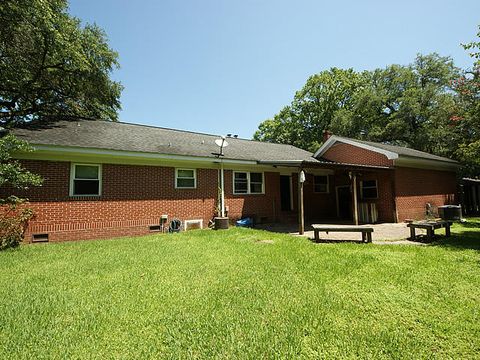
302,176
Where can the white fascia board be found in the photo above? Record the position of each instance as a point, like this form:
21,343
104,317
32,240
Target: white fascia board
333,139
295,163
133,154
325,146
412,162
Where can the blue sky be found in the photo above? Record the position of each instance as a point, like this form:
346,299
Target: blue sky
224,66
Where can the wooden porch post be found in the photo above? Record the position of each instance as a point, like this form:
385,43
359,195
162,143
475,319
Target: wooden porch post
355,200
301,220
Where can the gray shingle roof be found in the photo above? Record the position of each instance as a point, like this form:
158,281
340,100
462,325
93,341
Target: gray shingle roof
401,150
132,137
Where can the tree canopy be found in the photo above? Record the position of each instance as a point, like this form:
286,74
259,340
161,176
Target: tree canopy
468,120
429,105
51,65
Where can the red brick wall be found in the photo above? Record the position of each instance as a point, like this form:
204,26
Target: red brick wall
264,207
416,187
134,197
385,203
350,154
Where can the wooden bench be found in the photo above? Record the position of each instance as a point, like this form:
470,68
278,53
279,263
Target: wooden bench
366,231
430,226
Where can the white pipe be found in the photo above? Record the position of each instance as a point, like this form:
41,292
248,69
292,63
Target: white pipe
222,191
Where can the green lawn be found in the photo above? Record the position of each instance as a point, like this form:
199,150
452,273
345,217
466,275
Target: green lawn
231,294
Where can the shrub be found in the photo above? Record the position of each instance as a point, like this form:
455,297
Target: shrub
13,221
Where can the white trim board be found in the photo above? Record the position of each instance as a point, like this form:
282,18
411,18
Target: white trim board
398,160
333,139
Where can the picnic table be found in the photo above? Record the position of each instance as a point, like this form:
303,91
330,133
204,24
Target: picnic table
430,226
366,231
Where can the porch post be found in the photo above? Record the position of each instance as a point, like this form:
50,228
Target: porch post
355,200
301,220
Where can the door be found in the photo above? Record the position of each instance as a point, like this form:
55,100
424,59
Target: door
344,203
285,194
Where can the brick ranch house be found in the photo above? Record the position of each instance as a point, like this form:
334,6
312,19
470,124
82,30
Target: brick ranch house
107,179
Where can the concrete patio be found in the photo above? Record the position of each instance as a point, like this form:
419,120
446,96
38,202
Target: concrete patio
386,233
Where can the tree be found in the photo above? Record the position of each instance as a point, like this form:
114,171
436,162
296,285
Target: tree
467,120
312,110
14,216
406,105
409,105
51,66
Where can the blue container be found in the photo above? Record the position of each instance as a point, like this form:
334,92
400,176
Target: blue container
246,222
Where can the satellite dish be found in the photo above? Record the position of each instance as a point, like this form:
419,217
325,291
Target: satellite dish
221,142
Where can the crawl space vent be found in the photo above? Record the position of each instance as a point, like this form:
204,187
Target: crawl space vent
39,237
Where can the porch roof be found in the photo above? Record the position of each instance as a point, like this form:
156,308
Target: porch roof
323,164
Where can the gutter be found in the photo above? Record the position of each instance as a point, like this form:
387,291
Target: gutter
132,154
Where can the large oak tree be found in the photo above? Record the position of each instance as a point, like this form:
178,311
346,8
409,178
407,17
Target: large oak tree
52,66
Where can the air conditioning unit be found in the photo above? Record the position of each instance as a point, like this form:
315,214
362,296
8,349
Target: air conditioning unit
367,213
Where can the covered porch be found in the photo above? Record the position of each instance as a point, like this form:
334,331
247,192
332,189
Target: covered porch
329,192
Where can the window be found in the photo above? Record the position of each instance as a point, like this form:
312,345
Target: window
320,184
256,183
185,178
247,182
85,180
368,189
240,185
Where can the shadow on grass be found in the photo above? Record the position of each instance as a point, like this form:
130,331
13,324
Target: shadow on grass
460,240
471,224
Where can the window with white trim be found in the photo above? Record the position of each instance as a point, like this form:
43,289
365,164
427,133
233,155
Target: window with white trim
368,189
185,178
245,182
86,180
320,184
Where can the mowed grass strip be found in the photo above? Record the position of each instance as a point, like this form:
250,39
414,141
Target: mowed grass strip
241,293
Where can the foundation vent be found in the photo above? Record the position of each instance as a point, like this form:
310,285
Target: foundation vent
40,238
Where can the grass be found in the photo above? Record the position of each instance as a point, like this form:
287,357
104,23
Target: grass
234,294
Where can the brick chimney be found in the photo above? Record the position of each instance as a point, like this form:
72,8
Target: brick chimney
326,135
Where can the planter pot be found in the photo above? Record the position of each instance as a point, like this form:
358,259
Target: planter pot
221,223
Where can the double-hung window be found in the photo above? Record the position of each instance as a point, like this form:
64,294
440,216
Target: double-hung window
368,189
247,182
86,180
185,178
320,184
